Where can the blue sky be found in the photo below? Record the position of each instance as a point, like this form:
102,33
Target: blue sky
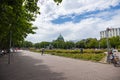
75,19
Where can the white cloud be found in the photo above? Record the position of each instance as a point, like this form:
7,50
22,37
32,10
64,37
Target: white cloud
88,27
50,10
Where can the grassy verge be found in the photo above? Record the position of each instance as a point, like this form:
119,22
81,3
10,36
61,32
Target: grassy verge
76,51
86,55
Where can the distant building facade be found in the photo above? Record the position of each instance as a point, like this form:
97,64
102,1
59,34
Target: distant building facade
60,38
110,33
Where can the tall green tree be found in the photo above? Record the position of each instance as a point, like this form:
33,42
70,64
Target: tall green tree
69,45
37,45
91,43
81,44
114,42
103,43
15,20
58,44
44,44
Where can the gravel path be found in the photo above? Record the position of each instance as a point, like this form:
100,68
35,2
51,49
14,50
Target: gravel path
27,65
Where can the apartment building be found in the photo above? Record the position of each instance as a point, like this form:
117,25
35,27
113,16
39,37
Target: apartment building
110,32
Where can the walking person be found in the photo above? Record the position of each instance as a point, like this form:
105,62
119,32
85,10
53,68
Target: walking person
111,57
42,51
81,50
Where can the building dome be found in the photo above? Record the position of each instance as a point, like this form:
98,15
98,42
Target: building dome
60,38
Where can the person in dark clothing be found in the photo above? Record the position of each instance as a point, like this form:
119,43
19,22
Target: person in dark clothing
42,51
81,50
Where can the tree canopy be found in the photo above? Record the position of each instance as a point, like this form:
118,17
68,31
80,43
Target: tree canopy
16,18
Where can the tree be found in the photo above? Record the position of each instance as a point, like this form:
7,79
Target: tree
37,45
115,42
81,44
44,44
69,45
15,20
91,43
58,44
103,43
58,1
27,44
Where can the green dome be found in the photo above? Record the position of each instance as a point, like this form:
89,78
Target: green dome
60,38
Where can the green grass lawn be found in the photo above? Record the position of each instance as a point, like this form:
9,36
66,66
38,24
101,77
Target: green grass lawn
88,54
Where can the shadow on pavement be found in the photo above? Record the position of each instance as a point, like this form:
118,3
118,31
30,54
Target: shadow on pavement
26,68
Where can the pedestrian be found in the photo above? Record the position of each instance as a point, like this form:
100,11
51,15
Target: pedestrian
81,50
42,51
111,58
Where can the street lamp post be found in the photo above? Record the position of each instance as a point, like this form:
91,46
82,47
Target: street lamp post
107,31
99,45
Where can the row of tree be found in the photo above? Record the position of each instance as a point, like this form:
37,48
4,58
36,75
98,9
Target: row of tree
16,18
114,42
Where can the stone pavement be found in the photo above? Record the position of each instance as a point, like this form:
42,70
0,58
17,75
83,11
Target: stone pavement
27,65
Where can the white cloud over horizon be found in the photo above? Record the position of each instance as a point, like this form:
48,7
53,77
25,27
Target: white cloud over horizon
85,28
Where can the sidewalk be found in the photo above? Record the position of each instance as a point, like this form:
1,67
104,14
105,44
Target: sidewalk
27,65
26,68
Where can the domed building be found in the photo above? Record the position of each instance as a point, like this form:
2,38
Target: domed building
60,38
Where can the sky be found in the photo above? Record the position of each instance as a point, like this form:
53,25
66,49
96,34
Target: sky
75,19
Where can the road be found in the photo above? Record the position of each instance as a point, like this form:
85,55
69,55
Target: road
27,65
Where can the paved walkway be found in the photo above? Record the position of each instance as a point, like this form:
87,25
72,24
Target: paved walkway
27,65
